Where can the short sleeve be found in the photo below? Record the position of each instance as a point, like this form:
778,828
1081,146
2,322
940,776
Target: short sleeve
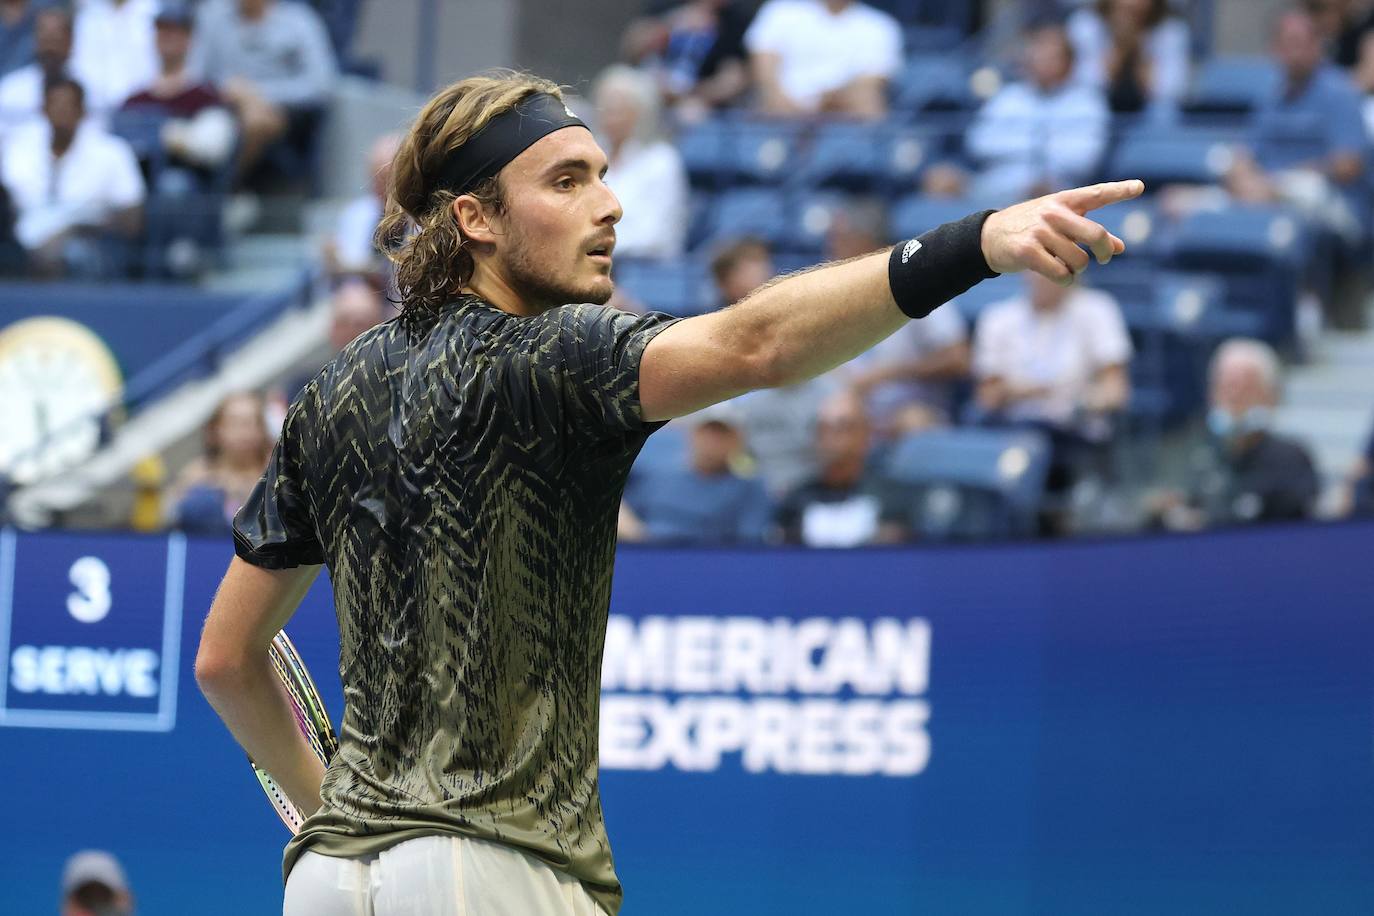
589,355
884,57
767,33
275,528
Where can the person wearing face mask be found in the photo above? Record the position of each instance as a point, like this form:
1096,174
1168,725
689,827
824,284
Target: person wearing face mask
1249,473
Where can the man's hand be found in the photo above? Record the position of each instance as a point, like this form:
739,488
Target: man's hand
1044,234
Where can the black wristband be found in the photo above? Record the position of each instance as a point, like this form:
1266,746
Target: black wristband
932,269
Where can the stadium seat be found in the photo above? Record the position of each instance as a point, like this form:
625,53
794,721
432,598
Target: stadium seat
1230,85
998,289
887,156
677,287
727,151
917,213
938,82
973,483
1257,251
1162,156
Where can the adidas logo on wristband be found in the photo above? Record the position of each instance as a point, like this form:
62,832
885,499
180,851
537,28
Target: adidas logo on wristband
911,248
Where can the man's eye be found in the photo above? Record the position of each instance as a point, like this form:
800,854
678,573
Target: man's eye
564,183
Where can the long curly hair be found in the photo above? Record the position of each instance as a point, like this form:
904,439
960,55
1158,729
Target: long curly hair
419,231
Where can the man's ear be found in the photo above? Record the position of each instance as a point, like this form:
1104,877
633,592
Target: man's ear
474,219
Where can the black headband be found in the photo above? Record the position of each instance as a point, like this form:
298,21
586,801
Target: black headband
503,138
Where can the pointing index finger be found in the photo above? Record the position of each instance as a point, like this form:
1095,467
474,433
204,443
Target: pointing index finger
1101,195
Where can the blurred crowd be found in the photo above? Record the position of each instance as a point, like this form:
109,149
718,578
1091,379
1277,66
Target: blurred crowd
1016,412
125,124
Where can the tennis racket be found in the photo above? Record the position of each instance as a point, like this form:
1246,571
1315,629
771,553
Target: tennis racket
311,719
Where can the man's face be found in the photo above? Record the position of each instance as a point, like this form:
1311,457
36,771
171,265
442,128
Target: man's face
173,44
52,40
63,109
1238,386
1297,45
842,431
747,274
1047,57
713,444
554,240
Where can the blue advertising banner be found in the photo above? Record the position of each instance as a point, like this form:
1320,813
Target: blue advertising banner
1143,726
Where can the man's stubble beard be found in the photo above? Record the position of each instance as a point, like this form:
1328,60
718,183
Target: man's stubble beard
538,284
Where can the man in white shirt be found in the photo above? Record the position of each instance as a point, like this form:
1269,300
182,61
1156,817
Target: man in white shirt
71,183
21,91
113,53
1044,133
833,56
1055,357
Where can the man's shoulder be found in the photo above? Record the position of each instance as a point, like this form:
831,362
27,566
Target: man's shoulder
1278,448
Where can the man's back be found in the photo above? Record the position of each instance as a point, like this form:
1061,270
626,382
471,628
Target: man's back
461,481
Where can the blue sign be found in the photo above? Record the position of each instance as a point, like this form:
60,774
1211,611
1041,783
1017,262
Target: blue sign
85,642
1133,726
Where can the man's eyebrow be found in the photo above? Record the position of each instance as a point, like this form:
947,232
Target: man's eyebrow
569,165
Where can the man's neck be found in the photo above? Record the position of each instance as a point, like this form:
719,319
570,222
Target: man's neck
498,290
61,143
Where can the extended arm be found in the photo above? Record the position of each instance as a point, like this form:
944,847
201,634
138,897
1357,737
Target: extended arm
236,676
801,326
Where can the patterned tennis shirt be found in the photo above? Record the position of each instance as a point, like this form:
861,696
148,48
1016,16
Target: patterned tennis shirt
461,481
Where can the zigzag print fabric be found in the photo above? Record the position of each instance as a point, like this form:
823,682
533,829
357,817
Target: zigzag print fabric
460,478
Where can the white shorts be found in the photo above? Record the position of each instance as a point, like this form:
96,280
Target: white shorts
434,876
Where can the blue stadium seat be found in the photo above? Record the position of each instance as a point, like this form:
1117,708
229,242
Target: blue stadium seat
677,287
1230,85
726,151
972,303
938,82
1162,156
973,483
1258,252
762,212
887,156
812,216
1139,224
917,213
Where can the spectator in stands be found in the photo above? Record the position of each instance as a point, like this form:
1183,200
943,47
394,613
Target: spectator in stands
16,34
113,51
1343,25
1357,495
1055,359
94,884
823,57
74,186
1249,474
695,52
199,131
351,249
1363,77
907,381
779,423
849,503
21,91
1041,134
645,170
1308,140
703,501
741,266
357,305
1133,50
272,62
237,444
1057,355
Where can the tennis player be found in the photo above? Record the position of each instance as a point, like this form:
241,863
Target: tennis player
458,470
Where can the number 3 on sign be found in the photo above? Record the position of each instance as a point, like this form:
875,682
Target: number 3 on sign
91,600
